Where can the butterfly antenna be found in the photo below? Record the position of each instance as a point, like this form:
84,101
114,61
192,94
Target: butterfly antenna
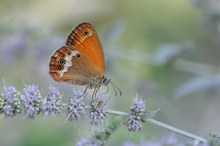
116,87
107,90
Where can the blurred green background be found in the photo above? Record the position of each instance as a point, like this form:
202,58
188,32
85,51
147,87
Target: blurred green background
167,51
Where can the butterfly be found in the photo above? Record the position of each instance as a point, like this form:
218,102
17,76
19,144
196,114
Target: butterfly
81,60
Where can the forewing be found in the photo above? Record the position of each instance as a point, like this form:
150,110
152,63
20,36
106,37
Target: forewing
85,39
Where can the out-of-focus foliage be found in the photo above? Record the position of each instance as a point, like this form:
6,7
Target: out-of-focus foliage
155,48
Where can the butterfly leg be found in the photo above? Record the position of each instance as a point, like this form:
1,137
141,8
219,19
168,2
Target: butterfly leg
94,94
107,90
97,90
84,92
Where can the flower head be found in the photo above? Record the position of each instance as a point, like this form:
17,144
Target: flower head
87,142
138,105
32,101
97,111
76,106
11,102
138,115
9,92
52,103
133,123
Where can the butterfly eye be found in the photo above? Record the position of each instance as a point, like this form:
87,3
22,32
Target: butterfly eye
77,55
60,67
62,61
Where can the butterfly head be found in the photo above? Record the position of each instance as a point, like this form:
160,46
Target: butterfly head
106,81
97,82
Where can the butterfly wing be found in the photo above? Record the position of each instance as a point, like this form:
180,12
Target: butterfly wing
67,66
85,39
81,60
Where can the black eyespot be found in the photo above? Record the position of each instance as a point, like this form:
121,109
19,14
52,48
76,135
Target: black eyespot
86,33
78,55
62,61
60,67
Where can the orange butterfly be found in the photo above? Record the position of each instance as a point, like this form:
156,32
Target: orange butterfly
81,61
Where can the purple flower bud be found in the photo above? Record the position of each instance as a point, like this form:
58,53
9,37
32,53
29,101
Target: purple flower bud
87,142
8,110
52,103
138,115
138,105
97,110
11,104
97,116
133,123
10,91
32,101
76,106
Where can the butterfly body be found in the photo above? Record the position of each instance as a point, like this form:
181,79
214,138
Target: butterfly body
81,60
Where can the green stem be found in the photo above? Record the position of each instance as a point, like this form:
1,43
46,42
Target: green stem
163,125
185,133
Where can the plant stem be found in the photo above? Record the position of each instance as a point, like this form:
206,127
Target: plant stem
185,133
163,125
